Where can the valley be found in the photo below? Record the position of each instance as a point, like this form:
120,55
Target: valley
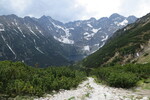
41,40
94,59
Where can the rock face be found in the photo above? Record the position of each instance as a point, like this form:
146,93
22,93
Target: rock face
26,40
45,41
90,35
128,45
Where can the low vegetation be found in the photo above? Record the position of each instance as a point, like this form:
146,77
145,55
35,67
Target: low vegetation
126,76
16,78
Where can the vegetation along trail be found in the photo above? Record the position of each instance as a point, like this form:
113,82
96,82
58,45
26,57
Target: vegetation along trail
90,90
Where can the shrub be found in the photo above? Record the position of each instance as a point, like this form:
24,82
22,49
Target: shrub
125,76
123,80
17,78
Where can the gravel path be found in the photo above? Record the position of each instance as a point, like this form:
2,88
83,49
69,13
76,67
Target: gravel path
90,90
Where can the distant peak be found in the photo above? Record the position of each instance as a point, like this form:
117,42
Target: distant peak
27,17
43,16
132,16
103,19
115,15
46,17
92,18
13,15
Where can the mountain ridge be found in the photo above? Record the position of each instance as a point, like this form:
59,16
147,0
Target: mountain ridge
53,39
125,46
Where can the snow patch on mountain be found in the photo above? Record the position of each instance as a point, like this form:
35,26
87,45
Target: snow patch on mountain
15,30
88,36
38,49
2,30
78,23
11,49
86,48
63,38
1,27
49,28
89,25
57,26
71,28
96,44
102,44
8,46
21,31
96,30
3,38
123,23
32,31
86,33
39,30
15,22
105,38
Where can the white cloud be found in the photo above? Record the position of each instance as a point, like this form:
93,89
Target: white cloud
69,10
144,8
19,5
99,8
138,8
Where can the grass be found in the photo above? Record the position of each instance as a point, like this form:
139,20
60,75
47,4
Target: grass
144,84
71,98
87,95
145,58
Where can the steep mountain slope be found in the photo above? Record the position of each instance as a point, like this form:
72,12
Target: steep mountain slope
25,40
129,44
46,41
89,35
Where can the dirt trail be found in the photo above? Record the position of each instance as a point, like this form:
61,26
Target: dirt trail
90,90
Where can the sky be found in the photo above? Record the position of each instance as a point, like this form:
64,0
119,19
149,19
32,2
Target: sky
70,10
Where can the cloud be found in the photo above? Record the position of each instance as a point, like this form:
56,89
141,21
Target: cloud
135,7
69,10
99,8
63,10
14,6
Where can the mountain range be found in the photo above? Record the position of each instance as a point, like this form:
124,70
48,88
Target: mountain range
47,42
128,45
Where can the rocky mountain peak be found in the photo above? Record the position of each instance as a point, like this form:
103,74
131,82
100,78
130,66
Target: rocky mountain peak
49,38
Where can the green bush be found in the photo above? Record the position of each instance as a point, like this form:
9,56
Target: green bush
17,78
125,76
123,80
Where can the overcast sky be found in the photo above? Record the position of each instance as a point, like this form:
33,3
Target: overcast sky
69,10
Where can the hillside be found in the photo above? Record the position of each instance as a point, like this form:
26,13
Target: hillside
19,81
47,42
130,44
24,39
